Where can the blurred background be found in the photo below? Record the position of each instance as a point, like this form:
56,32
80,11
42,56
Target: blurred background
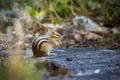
82,23
67,16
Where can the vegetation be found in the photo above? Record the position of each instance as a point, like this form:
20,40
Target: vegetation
21,15
60,9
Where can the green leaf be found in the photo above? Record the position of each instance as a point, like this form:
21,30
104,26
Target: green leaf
56,21
109,14
33,12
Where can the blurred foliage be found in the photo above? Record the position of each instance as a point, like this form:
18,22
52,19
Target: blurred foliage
102,40
20,71
111,9
117,36
57,10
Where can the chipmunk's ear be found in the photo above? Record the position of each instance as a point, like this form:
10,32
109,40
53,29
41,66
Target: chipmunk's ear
50,30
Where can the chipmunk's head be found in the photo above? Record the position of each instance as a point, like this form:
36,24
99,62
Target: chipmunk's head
54,37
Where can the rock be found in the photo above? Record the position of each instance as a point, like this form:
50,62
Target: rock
80,35
89,25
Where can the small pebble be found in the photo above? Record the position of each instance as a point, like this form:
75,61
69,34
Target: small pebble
69,59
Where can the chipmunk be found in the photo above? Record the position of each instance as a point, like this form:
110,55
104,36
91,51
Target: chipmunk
42,46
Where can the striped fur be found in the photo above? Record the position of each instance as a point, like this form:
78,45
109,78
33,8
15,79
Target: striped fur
36,45
41,46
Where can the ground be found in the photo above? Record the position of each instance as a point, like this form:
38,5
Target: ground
85,63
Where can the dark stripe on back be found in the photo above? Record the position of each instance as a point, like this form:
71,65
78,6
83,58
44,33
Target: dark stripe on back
34,44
